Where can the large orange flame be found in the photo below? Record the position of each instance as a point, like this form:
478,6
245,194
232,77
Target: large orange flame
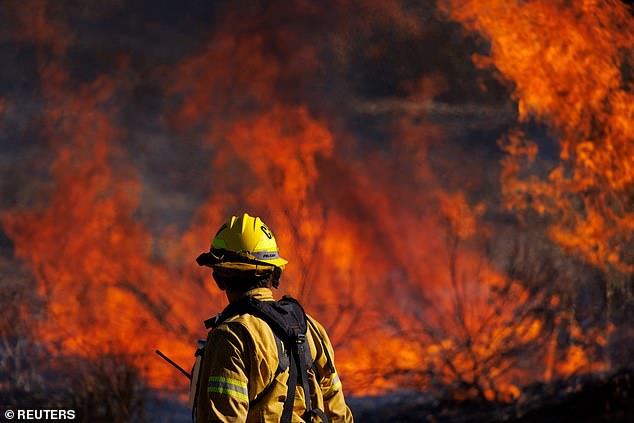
390,260
567,61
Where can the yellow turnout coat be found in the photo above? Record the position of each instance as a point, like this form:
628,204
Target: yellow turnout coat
239,382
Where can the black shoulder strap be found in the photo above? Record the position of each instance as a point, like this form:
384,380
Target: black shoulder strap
329,361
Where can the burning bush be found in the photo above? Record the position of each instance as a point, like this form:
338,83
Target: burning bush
437,262
101,388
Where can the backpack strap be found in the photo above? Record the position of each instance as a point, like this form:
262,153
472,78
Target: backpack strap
329,361
303,372
289,323
289,402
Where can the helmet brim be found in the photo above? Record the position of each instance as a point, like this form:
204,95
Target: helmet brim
278,262
211,260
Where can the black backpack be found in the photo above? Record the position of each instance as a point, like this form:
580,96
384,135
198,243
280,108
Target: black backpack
289,324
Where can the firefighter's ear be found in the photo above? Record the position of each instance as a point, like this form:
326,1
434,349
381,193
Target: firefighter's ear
221,285
277,274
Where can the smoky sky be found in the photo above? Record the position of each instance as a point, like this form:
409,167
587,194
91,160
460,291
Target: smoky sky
361,131
363,80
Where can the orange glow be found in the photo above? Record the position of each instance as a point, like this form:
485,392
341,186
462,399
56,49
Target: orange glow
391,262
91,257
565,60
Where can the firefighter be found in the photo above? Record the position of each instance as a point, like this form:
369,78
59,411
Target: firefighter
264,360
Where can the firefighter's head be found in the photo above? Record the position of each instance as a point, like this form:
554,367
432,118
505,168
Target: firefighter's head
244,255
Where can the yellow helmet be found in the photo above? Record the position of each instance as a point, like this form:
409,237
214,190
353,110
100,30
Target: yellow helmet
243,243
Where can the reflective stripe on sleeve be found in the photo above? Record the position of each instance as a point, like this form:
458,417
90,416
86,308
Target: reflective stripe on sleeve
227,386
334,387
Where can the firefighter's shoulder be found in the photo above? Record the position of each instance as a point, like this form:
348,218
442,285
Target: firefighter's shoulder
317,330
252,333
324,352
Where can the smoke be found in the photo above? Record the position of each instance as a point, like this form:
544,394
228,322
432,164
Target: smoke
361,132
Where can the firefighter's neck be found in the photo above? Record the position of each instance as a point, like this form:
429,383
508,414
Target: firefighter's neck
233,296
